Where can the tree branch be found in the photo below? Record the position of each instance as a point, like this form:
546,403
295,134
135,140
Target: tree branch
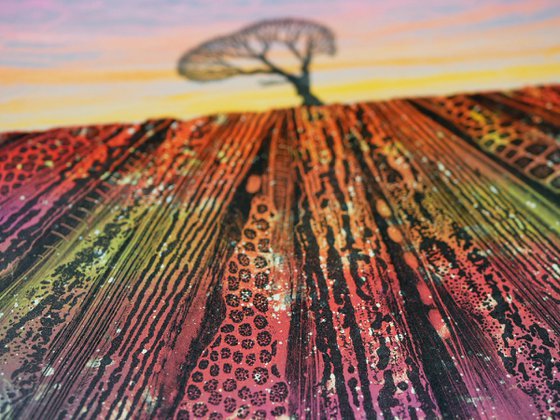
274,68
255,71
224,56
294,50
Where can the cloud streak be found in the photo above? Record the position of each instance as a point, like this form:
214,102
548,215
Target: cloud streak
107,45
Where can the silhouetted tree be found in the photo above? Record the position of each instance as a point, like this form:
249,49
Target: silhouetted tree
248,52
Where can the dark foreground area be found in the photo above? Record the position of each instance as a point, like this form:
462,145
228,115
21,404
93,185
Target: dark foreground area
395,259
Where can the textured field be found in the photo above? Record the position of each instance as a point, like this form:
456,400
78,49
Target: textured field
389,259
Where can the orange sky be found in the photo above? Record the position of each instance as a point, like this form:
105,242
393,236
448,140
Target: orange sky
68,62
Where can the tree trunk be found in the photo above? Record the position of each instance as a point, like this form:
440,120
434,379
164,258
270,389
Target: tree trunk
303,89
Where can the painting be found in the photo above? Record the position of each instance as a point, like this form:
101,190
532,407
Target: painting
256,209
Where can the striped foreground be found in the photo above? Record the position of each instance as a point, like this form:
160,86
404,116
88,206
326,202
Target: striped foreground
394,259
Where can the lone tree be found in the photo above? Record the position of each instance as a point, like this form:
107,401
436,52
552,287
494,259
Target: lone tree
249,50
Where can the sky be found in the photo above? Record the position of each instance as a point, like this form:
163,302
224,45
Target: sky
74,62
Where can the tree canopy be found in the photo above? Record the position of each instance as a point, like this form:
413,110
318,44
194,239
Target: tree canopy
247,52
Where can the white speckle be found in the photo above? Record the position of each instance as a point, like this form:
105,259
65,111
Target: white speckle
48,371
530,204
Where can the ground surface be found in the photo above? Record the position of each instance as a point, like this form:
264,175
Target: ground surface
396,258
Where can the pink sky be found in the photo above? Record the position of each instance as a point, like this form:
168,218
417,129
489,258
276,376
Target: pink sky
105,60
49,33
